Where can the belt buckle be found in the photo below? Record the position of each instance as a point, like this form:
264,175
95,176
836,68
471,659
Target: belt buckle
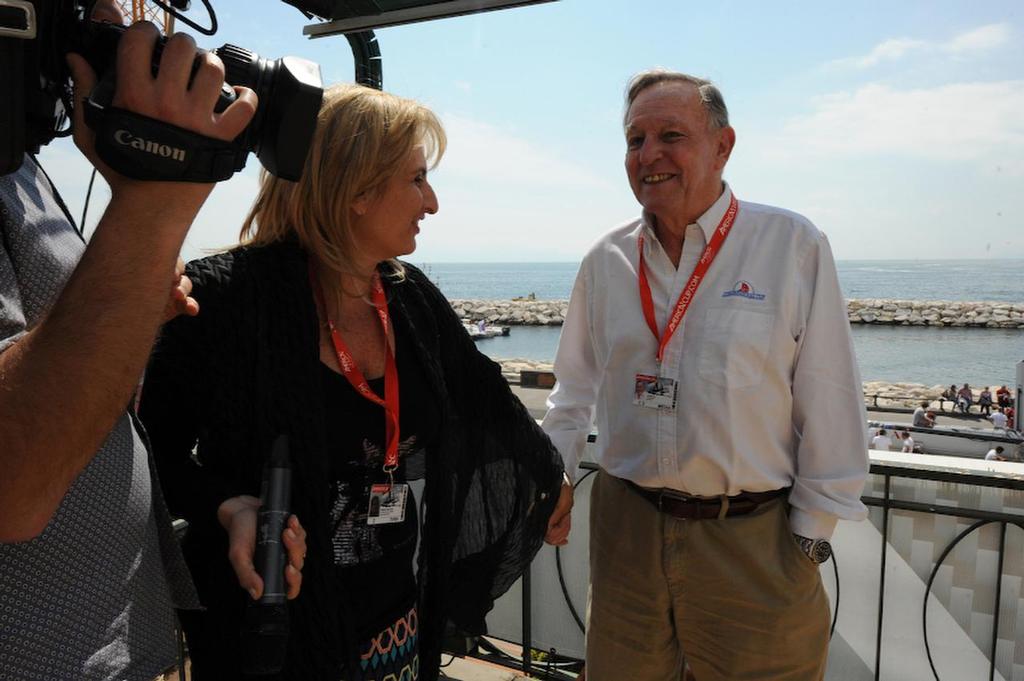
661,501
684,500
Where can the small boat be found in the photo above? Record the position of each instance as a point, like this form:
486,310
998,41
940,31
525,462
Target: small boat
957,441
481,330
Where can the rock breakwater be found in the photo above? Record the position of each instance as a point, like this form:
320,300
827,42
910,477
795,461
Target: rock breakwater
878,311
993,315
513,312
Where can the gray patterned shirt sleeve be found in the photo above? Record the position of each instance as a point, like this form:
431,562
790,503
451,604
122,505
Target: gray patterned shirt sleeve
92,596
12,320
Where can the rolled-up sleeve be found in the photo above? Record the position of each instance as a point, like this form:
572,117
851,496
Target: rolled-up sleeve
570,416
828,407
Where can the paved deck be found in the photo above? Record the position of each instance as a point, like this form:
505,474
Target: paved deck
459,669
534,399
462,669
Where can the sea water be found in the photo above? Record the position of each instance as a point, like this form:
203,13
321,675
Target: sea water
989,280
933,356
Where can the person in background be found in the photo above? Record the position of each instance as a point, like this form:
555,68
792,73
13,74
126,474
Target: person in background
882,442
709,515
908,442
998,418
950,394
985,401
965,398
995,454
922,417
89,564
313,328
1003,397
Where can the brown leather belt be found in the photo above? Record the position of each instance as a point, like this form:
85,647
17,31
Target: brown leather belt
679,505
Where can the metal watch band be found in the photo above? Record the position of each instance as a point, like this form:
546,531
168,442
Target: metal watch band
818,550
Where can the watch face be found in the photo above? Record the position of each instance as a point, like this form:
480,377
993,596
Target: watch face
821,551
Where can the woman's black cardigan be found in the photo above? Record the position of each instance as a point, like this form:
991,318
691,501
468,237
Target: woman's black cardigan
246,369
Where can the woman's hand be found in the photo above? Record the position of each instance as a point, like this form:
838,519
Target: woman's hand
560,521
238,515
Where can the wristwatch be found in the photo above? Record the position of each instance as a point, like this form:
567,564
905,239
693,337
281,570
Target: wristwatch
818,550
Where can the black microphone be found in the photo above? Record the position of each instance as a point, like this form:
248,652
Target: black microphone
265,630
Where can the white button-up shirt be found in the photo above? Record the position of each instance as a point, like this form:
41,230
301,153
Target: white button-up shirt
769,391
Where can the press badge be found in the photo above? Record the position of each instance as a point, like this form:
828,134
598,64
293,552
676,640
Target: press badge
387,504
655,392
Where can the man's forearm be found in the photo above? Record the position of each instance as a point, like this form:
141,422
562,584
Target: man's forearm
65,383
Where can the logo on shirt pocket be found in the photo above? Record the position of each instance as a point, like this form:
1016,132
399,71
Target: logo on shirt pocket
744,289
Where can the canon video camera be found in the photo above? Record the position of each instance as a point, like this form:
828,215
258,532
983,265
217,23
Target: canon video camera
36,100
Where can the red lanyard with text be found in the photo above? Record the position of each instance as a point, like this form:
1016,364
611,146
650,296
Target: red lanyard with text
355,377
706,258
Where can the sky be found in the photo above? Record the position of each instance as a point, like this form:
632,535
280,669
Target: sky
897,128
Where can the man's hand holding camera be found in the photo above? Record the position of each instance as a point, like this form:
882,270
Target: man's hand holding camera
168,97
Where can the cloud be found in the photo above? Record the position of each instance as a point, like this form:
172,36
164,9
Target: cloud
889,50
481,150
975,40
955,122
982,38
507,196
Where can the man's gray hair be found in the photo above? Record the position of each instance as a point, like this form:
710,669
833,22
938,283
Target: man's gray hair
710,95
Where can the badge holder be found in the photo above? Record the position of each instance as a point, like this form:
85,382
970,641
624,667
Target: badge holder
387,504
387,501
655,392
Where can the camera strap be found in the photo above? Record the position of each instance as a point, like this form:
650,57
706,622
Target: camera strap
143,148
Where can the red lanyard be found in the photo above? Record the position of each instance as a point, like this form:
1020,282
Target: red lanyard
706,258
355,377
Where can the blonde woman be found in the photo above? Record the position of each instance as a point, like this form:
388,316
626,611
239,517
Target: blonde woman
312,328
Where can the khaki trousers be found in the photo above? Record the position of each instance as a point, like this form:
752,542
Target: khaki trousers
737,597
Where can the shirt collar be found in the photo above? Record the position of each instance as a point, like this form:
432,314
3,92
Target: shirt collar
708,222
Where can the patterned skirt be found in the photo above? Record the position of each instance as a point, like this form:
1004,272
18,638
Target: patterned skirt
393,654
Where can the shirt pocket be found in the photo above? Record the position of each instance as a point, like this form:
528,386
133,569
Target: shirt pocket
734,347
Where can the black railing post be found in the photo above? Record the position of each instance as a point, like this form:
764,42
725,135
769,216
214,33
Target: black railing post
999,591
881,578
527,633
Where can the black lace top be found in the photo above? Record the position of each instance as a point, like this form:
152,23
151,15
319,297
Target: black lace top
375,562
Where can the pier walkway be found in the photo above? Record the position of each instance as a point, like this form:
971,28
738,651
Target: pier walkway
535,398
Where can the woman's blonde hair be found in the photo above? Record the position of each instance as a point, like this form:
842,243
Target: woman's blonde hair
362,138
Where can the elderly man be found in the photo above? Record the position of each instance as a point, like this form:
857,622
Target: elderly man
715,497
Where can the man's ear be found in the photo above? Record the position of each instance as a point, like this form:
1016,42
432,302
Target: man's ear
726,142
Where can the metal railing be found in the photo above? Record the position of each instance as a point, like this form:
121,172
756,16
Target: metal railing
982,517
887,502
